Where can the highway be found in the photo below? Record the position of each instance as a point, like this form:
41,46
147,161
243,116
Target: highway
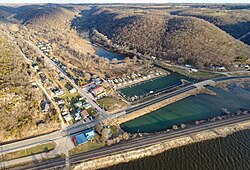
138,143
82,126
103,114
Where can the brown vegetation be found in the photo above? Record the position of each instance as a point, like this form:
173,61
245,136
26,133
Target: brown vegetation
158,33
21,115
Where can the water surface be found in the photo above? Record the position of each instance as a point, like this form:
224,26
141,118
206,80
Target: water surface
108,54
229,153
190,109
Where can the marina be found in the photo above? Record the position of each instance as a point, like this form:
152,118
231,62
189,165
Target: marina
153,86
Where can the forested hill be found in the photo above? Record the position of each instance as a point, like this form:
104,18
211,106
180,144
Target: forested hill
182,39
235,22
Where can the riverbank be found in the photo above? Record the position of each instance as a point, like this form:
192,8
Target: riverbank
161,104
225,84
162,147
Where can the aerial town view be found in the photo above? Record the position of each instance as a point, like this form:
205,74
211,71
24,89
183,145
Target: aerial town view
117,85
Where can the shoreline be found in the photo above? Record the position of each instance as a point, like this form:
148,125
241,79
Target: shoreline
161,147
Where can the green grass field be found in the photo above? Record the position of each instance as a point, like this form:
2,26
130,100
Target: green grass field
111,104
27,152
196,75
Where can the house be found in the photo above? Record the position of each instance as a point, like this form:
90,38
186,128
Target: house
217,67
58,92
37,68
86,105
70,88
236,65
78,104
97,90
221,68
67,117
84,114
44,106
246,66
193,70
61,102
73,90
65,113
43,48
188,65
77,116
79,139
97,81
63,108
42,77
81,98
34,85
89,134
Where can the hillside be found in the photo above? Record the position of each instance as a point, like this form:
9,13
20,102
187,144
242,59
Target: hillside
235,21
177,38
21,115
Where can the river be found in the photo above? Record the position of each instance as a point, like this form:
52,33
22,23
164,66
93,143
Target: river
229,153
108,54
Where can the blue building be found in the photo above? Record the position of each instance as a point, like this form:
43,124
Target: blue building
83,137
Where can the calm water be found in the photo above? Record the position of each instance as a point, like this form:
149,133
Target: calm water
193,108
158,84
229,153
108,54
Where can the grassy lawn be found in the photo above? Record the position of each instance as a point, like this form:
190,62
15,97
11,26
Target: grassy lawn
27,152
111,104
91,145
115,131
204,75
68,95
196,75
91,111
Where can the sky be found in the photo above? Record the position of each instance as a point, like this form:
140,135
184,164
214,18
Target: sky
124,1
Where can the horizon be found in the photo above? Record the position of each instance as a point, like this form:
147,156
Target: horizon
122,2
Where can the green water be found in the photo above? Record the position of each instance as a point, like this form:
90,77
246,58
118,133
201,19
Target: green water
229,153
158,84
193,108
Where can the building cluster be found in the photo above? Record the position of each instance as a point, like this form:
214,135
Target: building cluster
133,78
70,88
45,105
95,88
80,111
44,47
244,66
64,110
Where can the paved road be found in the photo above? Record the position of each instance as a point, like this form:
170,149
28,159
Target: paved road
139,143
103,113
80,126
85,94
